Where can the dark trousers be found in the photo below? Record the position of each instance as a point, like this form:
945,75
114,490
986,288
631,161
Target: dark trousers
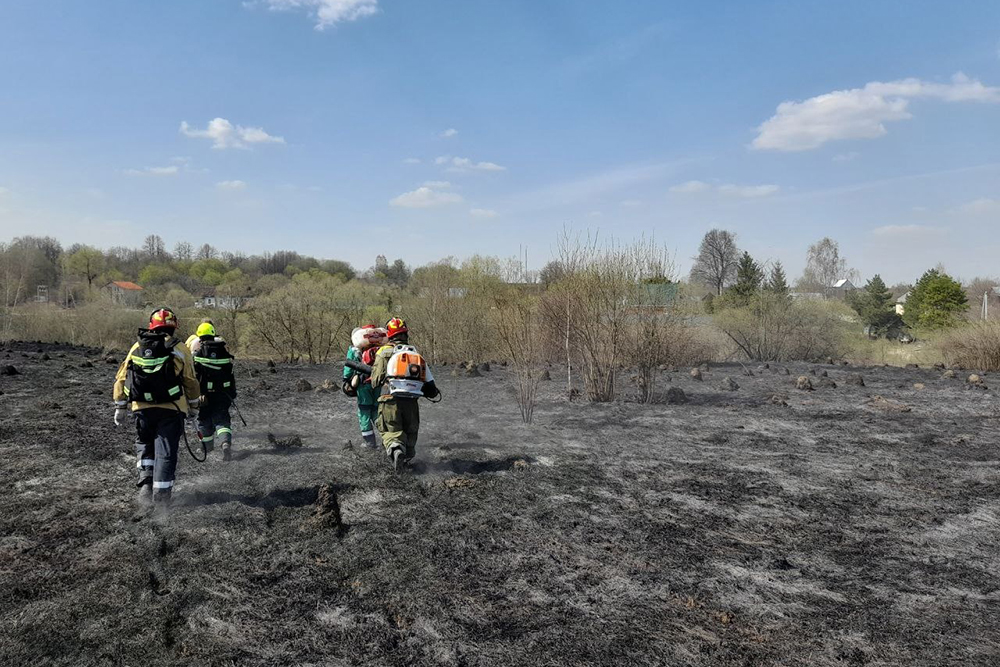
214,420
158,437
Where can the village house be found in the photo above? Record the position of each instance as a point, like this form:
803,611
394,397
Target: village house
125,293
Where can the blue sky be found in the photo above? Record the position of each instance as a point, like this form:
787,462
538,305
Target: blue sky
429,128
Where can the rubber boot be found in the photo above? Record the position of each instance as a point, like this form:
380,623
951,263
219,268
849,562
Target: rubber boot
144,496
161,502
369,441
227,452
398,456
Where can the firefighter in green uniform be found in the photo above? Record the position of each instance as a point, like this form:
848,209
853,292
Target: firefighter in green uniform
358,386
403,378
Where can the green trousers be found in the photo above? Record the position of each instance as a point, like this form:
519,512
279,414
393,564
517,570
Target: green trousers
398,422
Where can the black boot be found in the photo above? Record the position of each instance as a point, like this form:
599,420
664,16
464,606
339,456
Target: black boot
161,502
227,453
144,496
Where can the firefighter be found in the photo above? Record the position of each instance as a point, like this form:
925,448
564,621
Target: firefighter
213,366
403,378
157,378
358,386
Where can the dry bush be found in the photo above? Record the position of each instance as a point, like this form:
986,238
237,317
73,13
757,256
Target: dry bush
661,340
976,345
308,319
515,320
98,324
600,292
774,329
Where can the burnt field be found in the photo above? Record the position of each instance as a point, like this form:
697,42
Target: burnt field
766,525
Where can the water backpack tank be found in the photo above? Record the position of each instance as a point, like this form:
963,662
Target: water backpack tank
213,365
364,338
406,372
150,373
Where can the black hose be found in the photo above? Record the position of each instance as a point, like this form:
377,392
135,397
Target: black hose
204,452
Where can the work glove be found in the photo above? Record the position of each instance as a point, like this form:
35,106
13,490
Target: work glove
121,414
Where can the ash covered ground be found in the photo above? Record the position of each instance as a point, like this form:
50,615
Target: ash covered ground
849,525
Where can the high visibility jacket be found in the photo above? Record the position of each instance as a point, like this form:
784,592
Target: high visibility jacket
184,369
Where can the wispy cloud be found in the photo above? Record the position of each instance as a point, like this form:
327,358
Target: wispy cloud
727,189
327,13
169,170
483,213
748,191
231,186
982,206
846,157
441,185
224,134
859,113
449,133
425,197
909,231
465,164
690,187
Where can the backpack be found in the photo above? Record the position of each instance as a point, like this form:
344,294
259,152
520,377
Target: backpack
150,373
213,366
406,372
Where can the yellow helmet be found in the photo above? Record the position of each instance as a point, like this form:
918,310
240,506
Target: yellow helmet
205,329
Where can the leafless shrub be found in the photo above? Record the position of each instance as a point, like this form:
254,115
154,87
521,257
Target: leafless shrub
308,319
661,340
600,293
773,329
515,321
974,346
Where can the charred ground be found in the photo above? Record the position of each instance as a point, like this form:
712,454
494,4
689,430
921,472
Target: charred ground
761,526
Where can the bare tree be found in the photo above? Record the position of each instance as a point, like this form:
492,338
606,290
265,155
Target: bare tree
183,251
824,267
154,248
718,257
207,251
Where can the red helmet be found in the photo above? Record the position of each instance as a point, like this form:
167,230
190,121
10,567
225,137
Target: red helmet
163,318
395,327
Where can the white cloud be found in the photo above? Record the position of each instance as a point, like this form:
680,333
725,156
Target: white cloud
328,13
231,186
748,191
898,231
170,170
443,185
859,113
465,164
982,206
425,197
449,133
411,160
226,135
483,213
691,187
728,189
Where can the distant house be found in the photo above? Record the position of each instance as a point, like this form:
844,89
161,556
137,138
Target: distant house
842,288
211,299
125,293
901,303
